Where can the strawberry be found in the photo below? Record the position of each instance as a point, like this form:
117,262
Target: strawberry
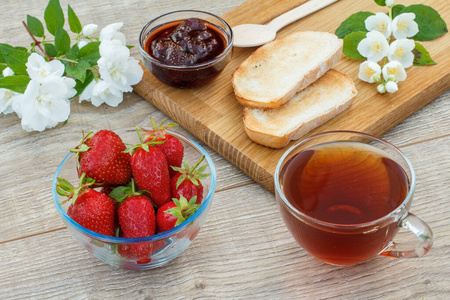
150,171
187,181
172,147
136,219
102,158
175,212
90,208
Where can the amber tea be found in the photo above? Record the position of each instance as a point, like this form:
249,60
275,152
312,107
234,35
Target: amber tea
343,183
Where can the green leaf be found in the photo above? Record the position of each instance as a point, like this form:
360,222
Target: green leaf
16,83
53,16
50,49
353,23
78,71
422,56
35,26
90,53
396,9
2,67
431,25
381,2
74,22
62,41
74,52
80,86
15,58
351,42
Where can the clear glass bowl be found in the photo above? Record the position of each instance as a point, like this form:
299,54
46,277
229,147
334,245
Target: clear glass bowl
166,245
187,76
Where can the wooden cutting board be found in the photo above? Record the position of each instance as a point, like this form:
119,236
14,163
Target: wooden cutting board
214,116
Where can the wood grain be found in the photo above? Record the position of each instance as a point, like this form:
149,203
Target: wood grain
235,256
213,115
244,251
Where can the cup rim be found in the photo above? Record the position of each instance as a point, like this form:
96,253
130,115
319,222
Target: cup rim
155,237
398,211
143,37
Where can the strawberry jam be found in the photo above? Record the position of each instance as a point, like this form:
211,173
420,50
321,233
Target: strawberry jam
190,42
185,44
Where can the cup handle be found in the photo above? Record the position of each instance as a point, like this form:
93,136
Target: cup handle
411,249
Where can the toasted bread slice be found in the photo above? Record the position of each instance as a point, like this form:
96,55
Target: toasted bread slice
276,71
322,100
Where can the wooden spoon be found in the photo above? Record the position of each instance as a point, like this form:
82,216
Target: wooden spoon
251,35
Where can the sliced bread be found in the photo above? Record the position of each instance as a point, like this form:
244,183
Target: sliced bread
276,71
322,100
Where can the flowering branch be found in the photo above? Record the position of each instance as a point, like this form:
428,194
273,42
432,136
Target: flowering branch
97,68
36,42
369,36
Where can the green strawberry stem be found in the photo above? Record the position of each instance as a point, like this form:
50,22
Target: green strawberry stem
183,209
82,147
142,144
66,189
122,193
162,127
191,173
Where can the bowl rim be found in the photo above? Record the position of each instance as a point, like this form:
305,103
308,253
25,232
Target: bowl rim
155,237
208,63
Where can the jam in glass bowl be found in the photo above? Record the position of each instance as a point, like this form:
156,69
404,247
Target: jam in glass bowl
186,48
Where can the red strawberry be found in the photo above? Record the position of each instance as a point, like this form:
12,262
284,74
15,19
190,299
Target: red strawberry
137,219
150,171
90,208
175,212
187,181
102,158
172,147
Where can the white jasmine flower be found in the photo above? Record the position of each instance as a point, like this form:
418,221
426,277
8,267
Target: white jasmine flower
89,29
404,26
391,87
7,97
368,70
379,22
389,3
393,71
7,72
401,51
45,104
111,32
117,67
374,47
38,69
99,92
381,89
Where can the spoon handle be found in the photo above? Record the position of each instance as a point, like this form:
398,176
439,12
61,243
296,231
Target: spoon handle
298,13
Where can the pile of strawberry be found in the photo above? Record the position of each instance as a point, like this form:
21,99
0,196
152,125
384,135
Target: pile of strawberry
136,191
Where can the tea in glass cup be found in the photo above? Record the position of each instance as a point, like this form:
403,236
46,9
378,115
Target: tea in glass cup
344,196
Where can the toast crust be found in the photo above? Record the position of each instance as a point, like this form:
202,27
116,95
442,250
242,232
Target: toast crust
293,61
324,99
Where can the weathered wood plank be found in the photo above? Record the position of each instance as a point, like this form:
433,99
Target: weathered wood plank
243,251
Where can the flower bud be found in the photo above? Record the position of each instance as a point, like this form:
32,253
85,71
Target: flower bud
89,29
391,87
381,89
377,78
7,72
390,3
81,44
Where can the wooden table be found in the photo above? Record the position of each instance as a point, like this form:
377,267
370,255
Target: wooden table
244,250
